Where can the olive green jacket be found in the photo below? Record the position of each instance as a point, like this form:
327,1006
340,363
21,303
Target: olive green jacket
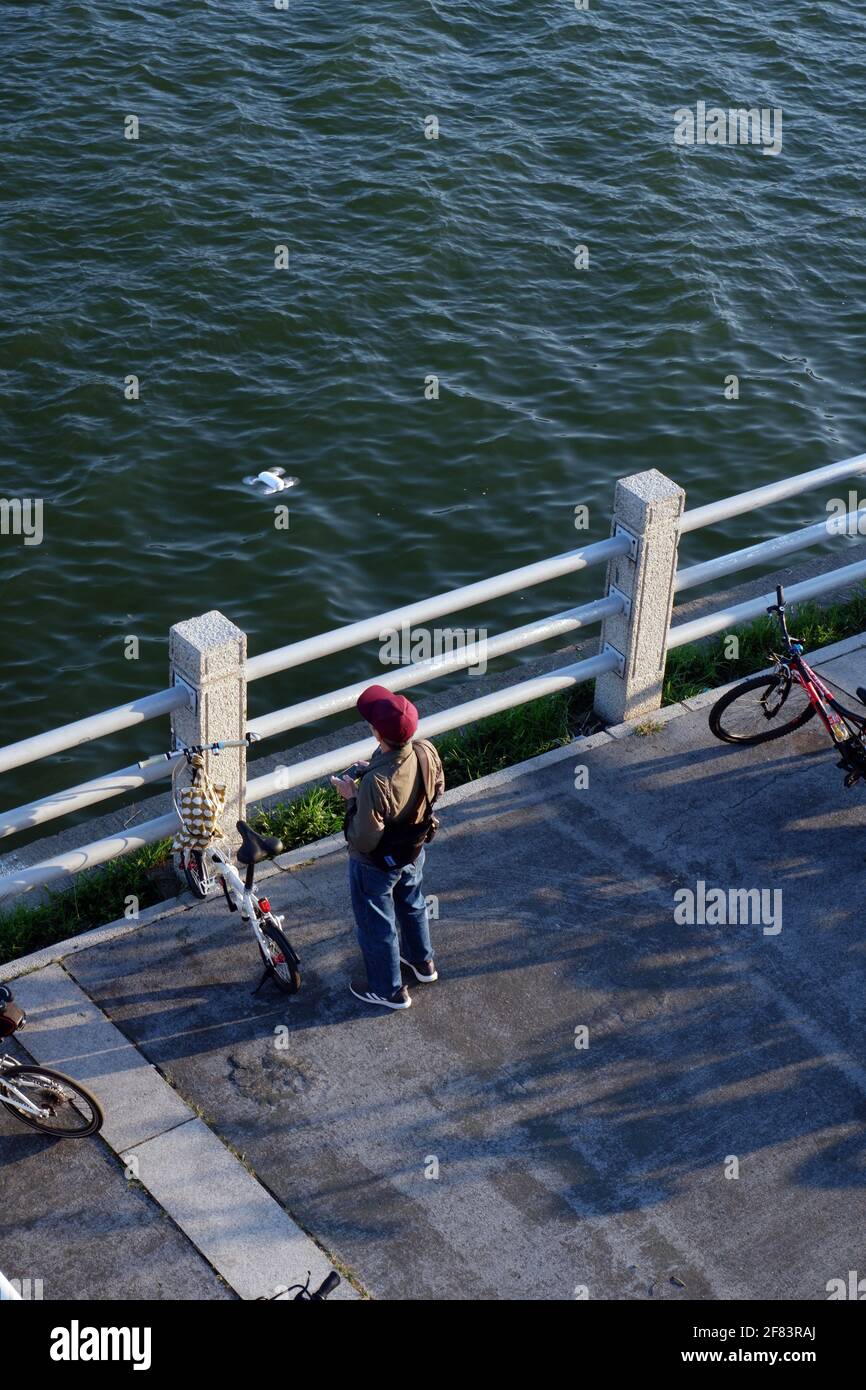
388,791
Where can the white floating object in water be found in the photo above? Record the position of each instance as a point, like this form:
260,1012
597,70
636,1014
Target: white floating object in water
272,480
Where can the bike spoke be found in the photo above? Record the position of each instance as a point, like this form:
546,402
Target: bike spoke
759,711
60,1106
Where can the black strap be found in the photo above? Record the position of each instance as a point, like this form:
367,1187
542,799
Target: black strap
426,771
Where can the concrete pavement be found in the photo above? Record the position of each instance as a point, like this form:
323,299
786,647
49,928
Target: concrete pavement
597,1099
225,1214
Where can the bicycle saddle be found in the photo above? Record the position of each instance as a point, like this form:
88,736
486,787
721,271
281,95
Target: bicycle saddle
254,848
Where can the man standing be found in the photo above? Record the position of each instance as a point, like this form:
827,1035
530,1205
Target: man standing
388,818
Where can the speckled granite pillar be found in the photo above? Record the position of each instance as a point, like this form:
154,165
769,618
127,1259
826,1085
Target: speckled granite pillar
649,506
209,654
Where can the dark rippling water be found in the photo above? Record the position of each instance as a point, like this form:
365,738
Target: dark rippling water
408,257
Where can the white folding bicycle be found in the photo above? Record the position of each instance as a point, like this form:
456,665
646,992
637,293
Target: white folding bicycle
205,868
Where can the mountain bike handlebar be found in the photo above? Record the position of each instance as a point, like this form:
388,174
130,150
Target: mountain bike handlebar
780,608
780,605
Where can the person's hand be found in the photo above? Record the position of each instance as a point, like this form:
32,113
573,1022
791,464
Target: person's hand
345,786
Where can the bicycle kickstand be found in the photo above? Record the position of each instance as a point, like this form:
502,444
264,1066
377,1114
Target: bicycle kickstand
266,975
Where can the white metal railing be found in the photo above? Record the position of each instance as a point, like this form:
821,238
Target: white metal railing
771,492
298,653
60,866
32,750
766,552
725,618
627,553
132,778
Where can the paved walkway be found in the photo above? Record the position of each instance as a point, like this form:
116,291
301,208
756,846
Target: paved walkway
707,1142
239,1230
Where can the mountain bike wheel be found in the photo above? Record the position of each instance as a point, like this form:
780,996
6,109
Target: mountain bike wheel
281,958
74,1112
194,872
760,709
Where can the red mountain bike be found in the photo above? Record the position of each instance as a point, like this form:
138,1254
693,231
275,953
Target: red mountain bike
770,706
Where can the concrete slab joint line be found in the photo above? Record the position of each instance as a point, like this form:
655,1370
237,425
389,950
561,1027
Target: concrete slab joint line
648,506
234,1223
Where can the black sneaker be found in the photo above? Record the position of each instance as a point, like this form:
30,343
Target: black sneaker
400,999
425,972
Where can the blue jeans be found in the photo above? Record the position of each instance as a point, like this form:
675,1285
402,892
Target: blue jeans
382,899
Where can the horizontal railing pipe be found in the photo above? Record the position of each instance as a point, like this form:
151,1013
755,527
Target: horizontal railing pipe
31,750
63,866
284,778
772,492
726,618
764,552
400,678
352,635
47,808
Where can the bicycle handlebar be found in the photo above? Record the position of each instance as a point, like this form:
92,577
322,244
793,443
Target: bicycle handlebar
780,608
194,748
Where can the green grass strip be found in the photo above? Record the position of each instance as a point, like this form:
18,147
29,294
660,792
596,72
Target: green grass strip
705,665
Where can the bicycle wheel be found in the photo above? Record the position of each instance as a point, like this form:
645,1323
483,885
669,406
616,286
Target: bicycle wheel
73,1111
281,958
759,710
194,873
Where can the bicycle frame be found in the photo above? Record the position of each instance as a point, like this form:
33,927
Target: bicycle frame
241,895
205,864
846,727
797,669
12,1096
822,698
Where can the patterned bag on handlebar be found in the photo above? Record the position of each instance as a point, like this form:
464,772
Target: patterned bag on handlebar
199,806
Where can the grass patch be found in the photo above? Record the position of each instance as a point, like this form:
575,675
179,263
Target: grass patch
313,816
704,665
89,902
467,754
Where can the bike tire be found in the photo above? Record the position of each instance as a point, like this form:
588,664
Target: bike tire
749,689
91,1126
193,872
284,969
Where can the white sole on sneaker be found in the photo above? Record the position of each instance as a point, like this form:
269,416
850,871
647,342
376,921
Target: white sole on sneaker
422,979
369,998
